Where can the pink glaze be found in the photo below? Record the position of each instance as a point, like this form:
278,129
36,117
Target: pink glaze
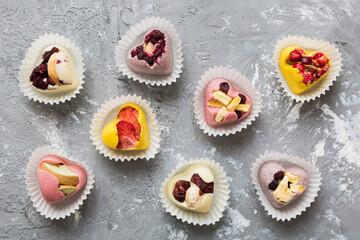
266,176
49,183
211,112
164,65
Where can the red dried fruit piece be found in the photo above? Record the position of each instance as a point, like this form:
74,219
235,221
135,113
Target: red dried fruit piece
273,185
296,55
126,134
299,66
131,115
39,76
204,187
243,98
326,68
306,60
224,87
179,191
321,59
308,78
157,38
279,175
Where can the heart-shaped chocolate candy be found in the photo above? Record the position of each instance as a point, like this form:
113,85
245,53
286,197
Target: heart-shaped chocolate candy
58,179
192,190
56,71
282,185
224,104
301,69
128,131
153,56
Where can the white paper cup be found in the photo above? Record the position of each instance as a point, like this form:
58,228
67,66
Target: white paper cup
240,82
302,202
135,36
220,200
65,207
309,44
32,59
107,112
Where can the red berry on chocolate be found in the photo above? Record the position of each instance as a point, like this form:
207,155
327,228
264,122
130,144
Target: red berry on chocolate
224,87
321,59
296,55
179,191
306,60
299,66
308,78
279,175
273,185
238,113
243,98
204,187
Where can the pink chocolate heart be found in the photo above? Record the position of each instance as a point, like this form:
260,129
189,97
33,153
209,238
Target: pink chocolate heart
49,183
211,112
159,62
266,176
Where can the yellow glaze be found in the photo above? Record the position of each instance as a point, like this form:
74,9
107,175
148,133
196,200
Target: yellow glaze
109,133
206,175
292,76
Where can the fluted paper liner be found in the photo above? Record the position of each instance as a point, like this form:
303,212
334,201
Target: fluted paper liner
240,82
302,202
32,59
65,207
107,112
220,200
135,36
309,44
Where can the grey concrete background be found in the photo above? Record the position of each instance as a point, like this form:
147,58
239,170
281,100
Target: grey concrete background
240,34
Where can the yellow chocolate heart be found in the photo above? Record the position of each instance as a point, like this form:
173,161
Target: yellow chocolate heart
124,133
200,204
292,75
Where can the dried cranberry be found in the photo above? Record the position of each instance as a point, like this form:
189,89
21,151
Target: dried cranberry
224,87
179,191
279,175
204,187
306,60
47,54
243,98
273,185
39,76
238,113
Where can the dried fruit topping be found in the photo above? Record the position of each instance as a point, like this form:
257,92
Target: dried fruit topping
39,76
279,175
155,37
296,55
273,185
308,77
321,59
179,191
299,66
224,87
204,187
306,60
238,113
243,98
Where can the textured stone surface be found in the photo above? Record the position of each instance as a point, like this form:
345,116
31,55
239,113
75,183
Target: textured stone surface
125,200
